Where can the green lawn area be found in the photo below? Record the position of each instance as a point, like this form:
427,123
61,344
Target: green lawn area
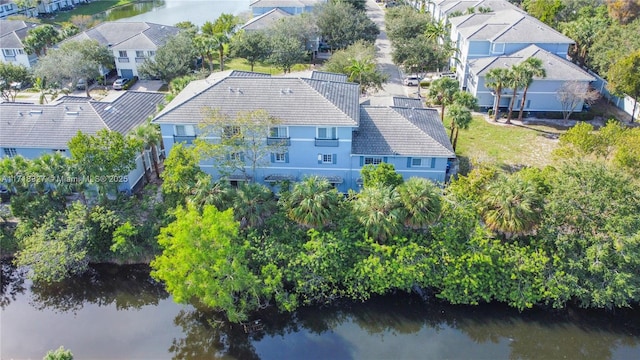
242,64
507,145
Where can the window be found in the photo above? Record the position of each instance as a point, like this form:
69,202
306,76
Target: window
185,130
236,156
60,151
278,132
21,51
10,152
280,157
122,53
8,52
151,53
327,133
230,131
372,161
139,53
422,162
327,158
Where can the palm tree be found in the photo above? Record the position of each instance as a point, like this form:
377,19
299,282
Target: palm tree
496,80
422,202
252,204
358,68
460,119
533,68
442,92
150,136
209,192
221,31
379,210
206,46
312,202
436,31
512,206
515,80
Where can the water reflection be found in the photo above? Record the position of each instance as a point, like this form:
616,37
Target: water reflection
129,10
128,287
11,282
86,312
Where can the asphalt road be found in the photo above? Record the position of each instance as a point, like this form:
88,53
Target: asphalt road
394,86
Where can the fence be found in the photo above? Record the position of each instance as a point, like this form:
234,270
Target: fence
626,103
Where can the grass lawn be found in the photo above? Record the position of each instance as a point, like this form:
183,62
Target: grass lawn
242,64
510,146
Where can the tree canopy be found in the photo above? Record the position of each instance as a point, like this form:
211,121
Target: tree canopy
173,59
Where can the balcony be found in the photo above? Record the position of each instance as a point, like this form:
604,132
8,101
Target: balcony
187,139
123,59
327,142
279,141
140,60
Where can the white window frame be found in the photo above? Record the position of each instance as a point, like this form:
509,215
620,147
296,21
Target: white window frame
372,161
151,53
279,132
8,52
280,157
139,53
417,162
327,158
184,130
331,132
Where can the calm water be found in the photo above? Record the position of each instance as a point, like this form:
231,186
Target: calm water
170,12
120,312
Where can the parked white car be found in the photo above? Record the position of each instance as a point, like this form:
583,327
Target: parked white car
412,80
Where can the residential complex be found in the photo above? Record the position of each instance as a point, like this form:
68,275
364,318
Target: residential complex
326,130
12,34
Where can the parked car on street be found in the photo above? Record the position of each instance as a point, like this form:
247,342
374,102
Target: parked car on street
120,83
412,80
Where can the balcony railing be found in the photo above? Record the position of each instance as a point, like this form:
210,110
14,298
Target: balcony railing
327,142
140,59
123,59
279,141
187,139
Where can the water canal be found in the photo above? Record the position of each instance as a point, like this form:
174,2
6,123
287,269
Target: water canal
120,312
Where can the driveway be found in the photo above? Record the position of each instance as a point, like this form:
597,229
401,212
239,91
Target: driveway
394,86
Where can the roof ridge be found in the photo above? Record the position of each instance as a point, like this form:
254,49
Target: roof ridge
307,80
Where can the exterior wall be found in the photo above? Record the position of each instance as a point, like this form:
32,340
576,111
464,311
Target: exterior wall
19,57
257,11
131,60
126,183
303,160
541,96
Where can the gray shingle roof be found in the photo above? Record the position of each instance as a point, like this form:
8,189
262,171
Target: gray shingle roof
52,126
507,26
265,20
556,67
12,32
408,102
401,131
128,35
327,76
295,101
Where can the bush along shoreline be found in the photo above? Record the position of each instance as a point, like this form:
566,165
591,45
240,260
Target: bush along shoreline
567,234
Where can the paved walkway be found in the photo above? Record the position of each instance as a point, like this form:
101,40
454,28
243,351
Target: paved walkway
394,86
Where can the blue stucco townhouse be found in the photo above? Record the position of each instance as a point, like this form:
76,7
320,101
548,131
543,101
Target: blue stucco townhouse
327,131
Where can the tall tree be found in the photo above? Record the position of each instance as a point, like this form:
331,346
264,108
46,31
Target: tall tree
545,10
358,62
40,39
422,202
441,92
460,119
623,11
203,258
312,203
242,147
252,46
173,59
341,25
105,158
72,61
286,51
207,47
379,210
222,30
181,173
512,206
148,136
12,78
496,80
253,203
533,68
516,79
623,78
